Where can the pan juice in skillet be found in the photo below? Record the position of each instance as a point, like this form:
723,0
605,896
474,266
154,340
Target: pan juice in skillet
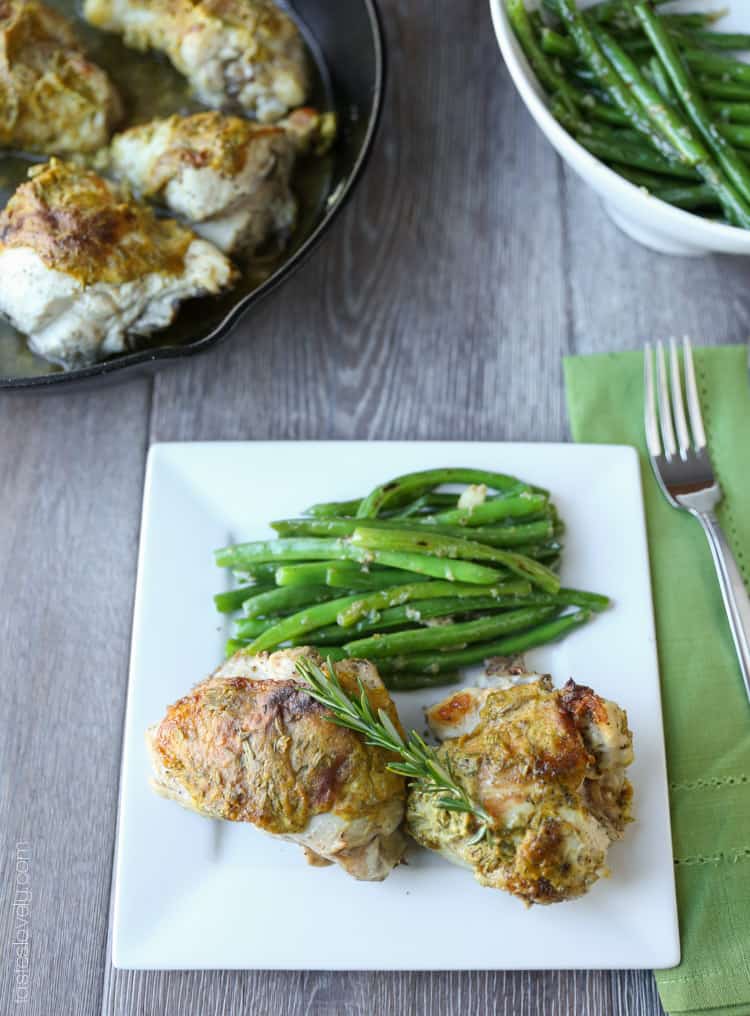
151,87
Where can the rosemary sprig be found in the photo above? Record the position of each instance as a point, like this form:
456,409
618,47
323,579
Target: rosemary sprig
419,760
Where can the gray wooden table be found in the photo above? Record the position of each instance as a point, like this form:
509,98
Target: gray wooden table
469,262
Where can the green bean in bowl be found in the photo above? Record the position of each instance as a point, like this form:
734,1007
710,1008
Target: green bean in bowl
658,93
428,573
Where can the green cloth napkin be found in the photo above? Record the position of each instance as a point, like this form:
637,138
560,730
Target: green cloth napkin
706,712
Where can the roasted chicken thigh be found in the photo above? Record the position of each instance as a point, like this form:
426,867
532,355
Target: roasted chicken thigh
244,55
249,744
548,766
229,177
52,99
83,267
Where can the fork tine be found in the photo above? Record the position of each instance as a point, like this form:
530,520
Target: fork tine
665,411
653,443
694,405
678,404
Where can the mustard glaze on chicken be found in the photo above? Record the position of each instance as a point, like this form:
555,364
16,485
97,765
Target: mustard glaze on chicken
249,744
52,99
244,55
549,767
230,178
83,267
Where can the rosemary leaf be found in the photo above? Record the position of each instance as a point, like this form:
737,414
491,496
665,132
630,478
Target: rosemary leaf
420,762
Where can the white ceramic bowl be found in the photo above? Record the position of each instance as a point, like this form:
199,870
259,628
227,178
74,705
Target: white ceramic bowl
643,217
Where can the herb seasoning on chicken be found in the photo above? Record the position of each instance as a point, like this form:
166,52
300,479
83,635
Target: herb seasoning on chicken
82,267
245,55
249,744
229,177
52,99
548,766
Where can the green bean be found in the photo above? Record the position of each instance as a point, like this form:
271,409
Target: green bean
693,103
613,10
642,179
564,47
513,507
636,157
326,508
420,483
690,148
544,69
449,636
335,635
650,181
257,574
346,610
249,628
455,549
233,646
717,88
329,527
438,568
731,112
419,611
279,600
602,112
366,605
304,549
304,621
379,578
332,653
431,500
688,196
541,551
737,134
260,551
309,573
495,536
677,131
717,40
716,65
434,663
232,599
555,44
524,534
608,77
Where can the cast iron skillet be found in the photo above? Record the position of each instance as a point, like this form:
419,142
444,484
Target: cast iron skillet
346,41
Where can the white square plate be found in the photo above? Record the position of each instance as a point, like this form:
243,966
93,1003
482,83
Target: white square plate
194,893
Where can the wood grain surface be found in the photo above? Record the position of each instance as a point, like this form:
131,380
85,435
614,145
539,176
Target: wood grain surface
468,263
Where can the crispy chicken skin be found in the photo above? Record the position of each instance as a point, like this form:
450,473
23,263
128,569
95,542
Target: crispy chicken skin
229,177
248,744
82,267
52,99
549,767
243,55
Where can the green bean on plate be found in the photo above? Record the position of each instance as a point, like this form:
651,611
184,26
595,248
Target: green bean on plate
426,574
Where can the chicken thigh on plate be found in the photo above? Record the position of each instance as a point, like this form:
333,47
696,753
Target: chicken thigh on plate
549,767
52,99
229,177
245,55
83,267
249,744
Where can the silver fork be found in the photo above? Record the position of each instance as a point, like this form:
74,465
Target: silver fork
684,472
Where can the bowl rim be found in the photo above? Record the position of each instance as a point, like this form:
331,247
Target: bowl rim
148,358
714,236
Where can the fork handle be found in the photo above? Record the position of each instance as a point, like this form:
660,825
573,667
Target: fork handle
733,591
